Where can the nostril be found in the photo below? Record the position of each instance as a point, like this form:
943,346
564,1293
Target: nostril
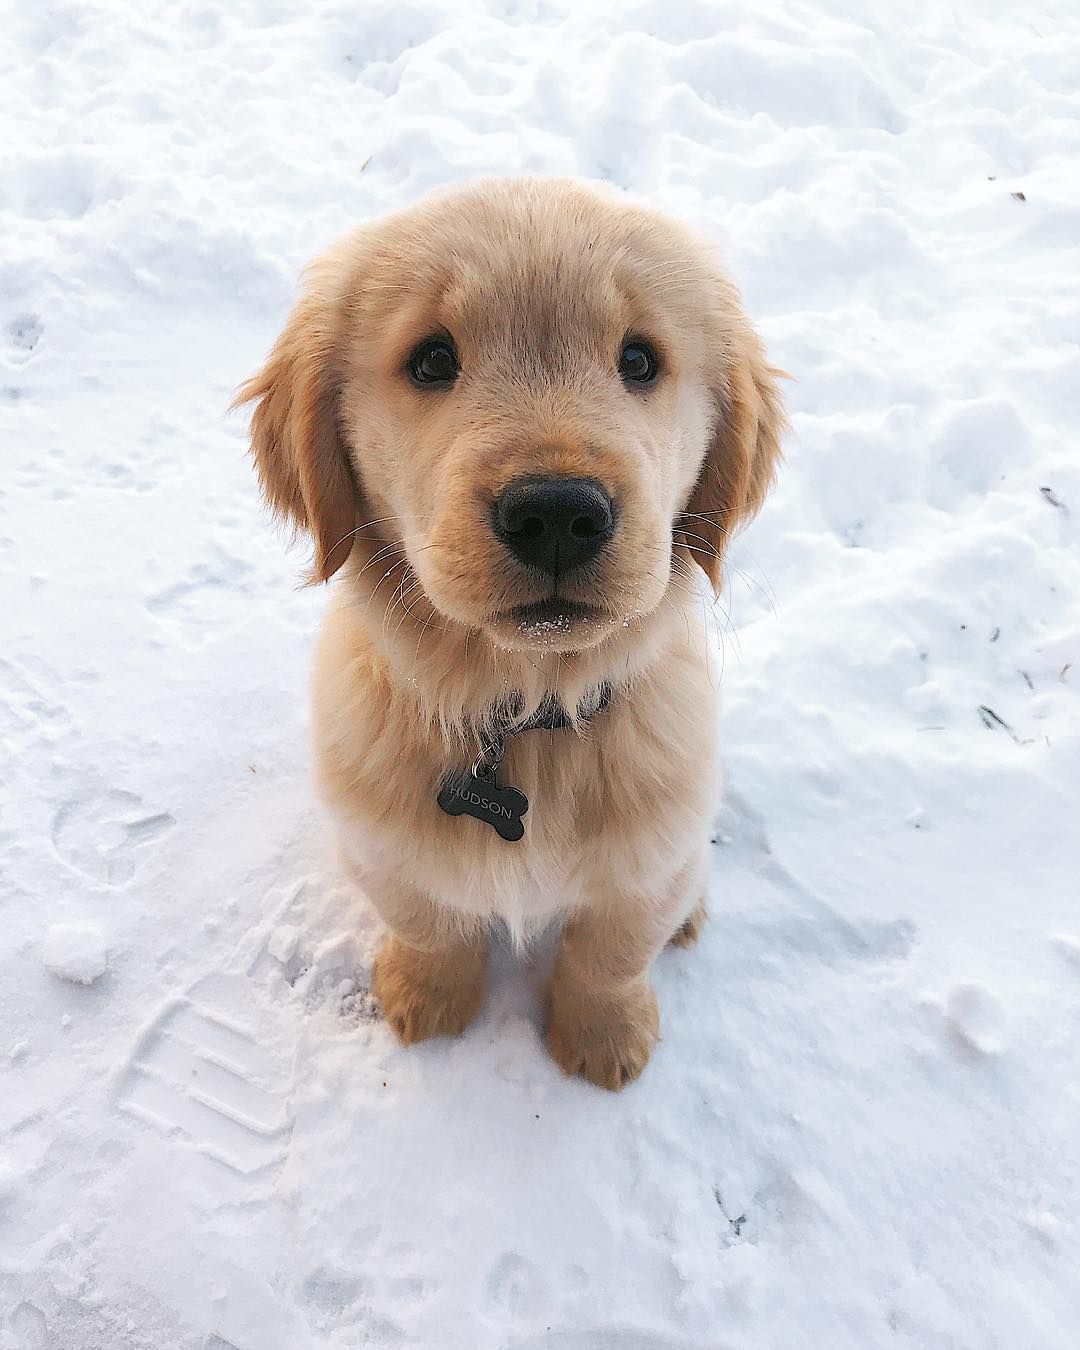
584,528
530,528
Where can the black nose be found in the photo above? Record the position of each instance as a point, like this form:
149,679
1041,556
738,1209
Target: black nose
555,524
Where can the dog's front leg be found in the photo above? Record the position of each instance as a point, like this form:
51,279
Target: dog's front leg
602,1016
430,971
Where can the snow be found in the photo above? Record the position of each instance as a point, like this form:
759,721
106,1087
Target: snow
9,1184
860,1127
977,1018
75,951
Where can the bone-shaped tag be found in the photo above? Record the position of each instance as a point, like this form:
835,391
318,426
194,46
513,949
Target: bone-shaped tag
499,807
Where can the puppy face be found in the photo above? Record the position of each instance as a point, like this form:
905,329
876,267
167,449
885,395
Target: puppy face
544,395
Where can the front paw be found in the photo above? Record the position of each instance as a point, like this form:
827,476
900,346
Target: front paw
426,994
608,1039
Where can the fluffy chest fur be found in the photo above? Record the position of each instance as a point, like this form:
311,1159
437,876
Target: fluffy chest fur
617,806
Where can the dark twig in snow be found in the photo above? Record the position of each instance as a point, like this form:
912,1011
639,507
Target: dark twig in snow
734,1224
990,719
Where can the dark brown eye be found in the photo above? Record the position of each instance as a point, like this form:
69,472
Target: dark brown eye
434,362
638,364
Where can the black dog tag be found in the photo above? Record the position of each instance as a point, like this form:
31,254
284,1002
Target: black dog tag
501,808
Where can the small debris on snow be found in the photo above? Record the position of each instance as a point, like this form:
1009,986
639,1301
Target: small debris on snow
990,719
977,1018
1054,500
735,1224
76,952
1018,196
283,942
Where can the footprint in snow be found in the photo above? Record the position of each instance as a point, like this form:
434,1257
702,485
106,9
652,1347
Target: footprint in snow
203,605
211,1070
333,1299
27,709
333,1292
331,971
808,924
24,333
102,833
516,1287
30,1327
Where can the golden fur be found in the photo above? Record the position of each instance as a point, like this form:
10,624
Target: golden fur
538,282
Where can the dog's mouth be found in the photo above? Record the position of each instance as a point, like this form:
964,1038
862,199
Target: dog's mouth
554,612
555,622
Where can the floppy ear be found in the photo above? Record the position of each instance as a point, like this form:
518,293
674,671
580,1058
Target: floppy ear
742,457
296,436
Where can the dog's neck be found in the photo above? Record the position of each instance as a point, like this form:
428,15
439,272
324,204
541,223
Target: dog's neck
461,679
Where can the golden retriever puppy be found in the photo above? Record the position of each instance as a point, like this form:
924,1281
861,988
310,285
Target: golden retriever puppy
519,421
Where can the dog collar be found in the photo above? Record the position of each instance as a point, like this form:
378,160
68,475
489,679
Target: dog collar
551,715
477,793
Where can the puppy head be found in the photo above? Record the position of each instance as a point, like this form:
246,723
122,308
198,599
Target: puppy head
540,395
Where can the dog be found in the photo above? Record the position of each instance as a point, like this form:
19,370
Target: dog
520,422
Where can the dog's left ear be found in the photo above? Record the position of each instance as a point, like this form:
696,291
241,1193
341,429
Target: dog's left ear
742,457
296,435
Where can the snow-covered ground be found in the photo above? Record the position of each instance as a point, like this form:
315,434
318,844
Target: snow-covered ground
862,1127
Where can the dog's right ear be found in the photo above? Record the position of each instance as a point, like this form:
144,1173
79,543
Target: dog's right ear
296,436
